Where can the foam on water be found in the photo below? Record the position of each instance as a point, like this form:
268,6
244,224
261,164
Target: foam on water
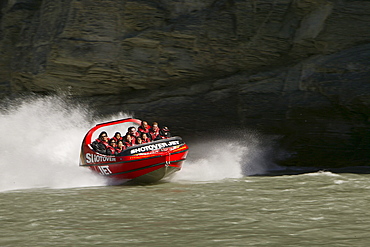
40,145
322,173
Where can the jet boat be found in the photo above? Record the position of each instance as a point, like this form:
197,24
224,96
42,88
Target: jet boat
140,164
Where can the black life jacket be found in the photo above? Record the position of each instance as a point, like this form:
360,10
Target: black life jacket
100,146
154,133
165,133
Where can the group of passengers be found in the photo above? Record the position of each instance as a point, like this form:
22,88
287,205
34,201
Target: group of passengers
118,143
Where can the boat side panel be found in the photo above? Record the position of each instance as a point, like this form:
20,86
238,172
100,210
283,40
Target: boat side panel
123,164
149,175
126,171
154,176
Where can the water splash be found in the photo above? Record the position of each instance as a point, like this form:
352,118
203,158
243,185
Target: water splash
262,152
245,153
41,139
212,161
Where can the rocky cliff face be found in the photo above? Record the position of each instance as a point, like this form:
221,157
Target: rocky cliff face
294,68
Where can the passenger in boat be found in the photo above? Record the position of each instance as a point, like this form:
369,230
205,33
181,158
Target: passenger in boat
154,132
101,144
145,138
144,127
111,149
117,136
165,133
139,141
133,133
128,141
120,147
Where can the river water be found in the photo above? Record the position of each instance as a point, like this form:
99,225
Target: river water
46,199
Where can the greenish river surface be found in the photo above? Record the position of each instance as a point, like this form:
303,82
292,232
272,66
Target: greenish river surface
313,209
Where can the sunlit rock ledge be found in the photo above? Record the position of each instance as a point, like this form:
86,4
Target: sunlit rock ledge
294,69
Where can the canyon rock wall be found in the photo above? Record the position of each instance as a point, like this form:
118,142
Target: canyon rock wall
297,69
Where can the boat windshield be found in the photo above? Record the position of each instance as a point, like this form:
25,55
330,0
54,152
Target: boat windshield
112,129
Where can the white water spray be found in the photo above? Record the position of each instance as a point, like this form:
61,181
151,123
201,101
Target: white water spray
40,145
247,154
41,140
216,161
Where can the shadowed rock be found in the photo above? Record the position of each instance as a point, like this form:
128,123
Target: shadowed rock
297,69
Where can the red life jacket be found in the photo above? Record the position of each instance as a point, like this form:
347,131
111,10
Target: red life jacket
112,149
146,140
133,140
116,139
144,130
120,150
103,142
133,137
137,134
127,144
154,133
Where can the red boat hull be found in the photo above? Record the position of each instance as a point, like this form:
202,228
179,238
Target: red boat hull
146,163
